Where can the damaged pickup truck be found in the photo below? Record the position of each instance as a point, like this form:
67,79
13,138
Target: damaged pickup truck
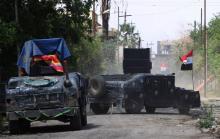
45,90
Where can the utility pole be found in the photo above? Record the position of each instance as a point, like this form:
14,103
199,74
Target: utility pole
125,17
132,23
201,29
118,34
194,44
118,18
105,16
205,51
94,19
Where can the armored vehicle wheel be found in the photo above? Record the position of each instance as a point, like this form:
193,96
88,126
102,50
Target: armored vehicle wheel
75,122
99,108
18,126
132,106
96,86
150,109
183,110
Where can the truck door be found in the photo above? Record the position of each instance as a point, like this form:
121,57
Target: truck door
159,90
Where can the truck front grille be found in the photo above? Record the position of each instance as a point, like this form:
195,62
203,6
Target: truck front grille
41,100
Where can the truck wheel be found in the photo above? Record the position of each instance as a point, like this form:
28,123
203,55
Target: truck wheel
99,108
132,106
96,86
25,124
150,109
75,122
14,127
184,110
18,126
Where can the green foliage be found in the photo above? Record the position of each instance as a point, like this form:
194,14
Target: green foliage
214,57
7,33
45,19
87,56
128,36
208,120
198,47
93,57
213,29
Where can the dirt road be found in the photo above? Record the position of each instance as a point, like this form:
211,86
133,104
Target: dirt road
120,126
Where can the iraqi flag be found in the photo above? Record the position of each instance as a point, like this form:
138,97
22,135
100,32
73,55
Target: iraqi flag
187,61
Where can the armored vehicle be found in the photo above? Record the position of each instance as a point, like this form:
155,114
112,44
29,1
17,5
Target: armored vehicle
45,90
138,88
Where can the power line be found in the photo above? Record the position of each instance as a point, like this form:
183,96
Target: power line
165,12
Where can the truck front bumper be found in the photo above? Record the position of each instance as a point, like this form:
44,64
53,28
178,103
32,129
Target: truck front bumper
44,114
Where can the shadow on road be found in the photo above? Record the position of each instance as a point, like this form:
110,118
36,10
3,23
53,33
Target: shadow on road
90,126
57,128
54,129
156,113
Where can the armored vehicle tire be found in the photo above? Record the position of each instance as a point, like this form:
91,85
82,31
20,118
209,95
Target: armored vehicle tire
99,108
75,122
150,109
96,86
18,126
132,106
183,110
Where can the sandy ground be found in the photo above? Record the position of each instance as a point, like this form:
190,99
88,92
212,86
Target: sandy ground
165,124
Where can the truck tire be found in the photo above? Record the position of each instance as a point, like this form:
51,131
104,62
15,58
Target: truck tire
150,110
99,108
96,86
183,110
14,127
75,122
132,106
18,126
25,124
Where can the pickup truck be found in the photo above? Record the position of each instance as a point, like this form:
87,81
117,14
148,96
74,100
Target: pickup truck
46,90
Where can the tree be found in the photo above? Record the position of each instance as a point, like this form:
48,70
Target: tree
213,47
44,19
128,36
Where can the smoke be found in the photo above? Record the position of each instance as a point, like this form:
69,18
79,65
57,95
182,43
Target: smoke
167,64
111,63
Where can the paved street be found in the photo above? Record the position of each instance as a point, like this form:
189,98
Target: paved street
166,124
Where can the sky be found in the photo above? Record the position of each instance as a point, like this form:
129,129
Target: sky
158,20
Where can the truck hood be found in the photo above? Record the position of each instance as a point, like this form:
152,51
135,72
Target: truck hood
34,85
26,85
40,92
